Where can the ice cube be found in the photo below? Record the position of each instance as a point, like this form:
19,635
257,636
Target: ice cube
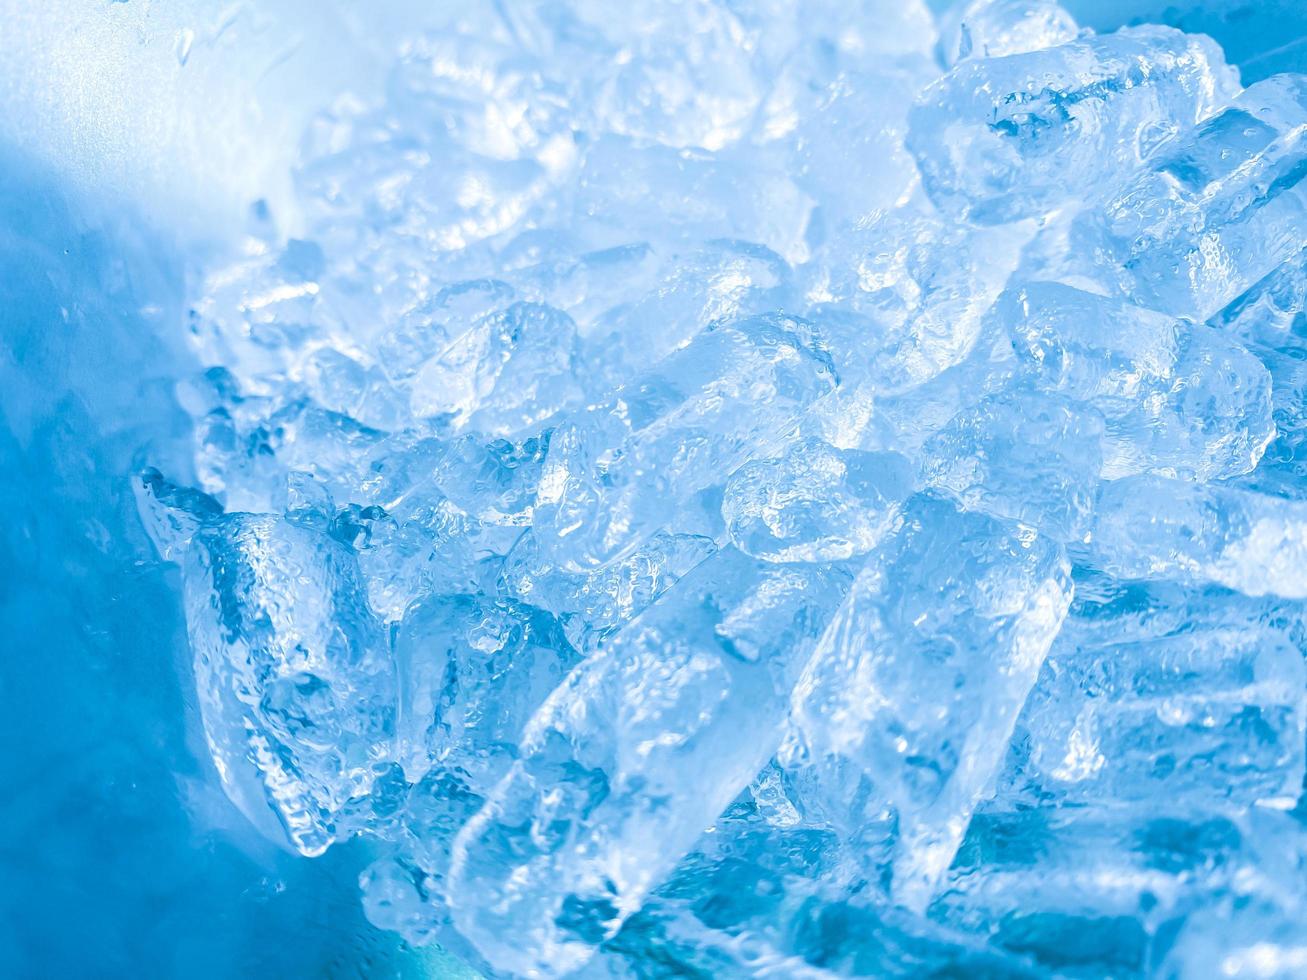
1075,885
472,670
507,374
1024,456
296,685
1178,399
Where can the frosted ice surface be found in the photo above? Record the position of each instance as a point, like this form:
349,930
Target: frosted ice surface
784,489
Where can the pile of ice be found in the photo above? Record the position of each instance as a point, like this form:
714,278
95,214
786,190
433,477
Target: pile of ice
774,489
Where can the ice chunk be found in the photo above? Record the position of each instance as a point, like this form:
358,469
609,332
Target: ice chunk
1212,419
633,757
618,471
1149,527
1217,208
1269,320
1028,457
296,685
996,138
815,502
429,546
1178,399
1201,703
556,268
918,681
246,445
171,514
472,669
508,373
423,330
412,539
479,92
495,481
261,314
869,416
842,82
698,88
997,28
1271,313
1090,348
405,889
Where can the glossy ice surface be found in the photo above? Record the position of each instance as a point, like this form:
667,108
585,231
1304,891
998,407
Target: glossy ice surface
707,488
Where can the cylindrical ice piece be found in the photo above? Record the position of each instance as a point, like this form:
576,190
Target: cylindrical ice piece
1149,527
918,680
1179,399
1195,695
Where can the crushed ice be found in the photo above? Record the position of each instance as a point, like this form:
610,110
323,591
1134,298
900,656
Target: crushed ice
783,489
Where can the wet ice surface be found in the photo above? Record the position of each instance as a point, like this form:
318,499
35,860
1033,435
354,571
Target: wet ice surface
771,490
